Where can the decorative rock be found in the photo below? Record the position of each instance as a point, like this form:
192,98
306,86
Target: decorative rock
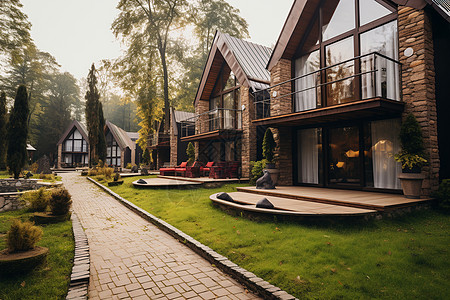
265,182
264,203
134,169
142,181
43,165
224,196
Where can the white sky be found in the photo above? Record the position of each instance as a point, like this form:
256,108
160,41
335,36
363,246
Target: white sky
78,32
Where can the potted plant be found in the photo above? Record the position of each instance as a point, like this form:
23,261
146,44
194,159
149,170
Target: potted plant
268,148
411,157
59,204
22,253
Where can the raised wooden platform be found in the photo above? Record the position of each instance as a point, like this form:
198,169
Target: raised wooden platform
165,183
348,198
290,207
205,179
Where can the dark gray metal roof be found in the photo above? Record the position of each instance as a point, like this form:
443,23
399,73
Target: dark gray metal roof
133,136
80,128
182,115
121,136
442,6
251,57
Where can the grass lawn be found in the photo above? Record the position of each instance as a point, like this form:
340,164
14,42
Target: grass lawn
404,258
50,280
5,174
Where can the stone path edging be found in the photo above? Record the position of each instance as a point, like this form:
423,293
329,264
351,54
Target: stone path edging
79,279
250,280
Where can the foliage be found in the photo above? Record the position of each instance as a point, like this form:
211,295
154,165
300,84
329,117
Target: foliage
410,161
18,132
268,146
60,202
50,281
14,25
256,171
339,259
412,153
23,236
101,146
190,151
92,114
49,177
34,167
38,199
146,156
442,195
3,133
103,170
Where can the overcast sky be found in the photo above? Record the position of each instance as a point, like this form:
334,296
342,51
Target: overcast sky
78,32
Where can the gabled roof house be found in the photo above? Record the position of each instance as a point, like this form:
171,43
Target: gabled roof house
223,105
121,147
73,146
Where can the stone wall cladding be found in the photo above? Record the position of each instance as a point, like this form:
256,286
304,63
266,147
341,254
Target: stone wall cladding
173,144
282,72
248,142
418,84
11,201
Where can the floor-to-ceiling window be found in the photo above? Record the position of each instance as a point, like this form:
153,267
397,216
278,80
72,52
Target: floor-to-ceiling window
75,150
340,42
113,152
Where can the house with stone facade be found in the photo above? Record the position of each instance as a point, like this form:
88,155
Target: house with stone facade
224,107
343,74
121,147
73,147
166,148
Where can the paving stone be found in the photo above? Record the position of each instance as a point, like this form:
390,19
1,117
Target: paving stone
130,257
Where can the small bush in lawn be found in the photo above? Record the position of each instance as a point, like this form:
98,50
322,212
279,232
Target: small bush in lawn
47,176
60,202
107,172
23,236
92,172
129,166
34,168
38,199
443,194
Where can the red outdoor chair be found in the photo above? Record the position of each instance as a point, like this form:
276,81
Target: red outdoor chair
206,169
181,169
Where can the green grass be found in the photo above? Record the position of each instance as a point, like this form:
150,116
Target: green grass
404,258
50,280
5,174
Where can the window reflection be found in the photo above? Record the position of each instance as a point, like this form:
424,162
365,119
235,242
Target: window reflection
340,91
371,10
308,94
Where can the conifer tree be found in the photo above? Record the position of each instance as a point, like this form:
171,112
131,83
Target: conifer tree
3,133
92,103
18,132
101,146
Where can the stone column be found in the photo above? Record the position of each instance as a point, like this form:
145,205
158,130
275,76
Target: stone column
280,106
59,156
173,144
248,142
418,84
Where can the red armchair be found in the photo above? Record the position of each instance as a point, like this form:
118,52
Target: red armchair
206,169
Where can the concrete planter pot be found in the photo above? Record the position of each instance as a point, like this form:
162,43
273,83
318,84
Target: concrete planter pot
274,173
20,262
411,184
48,218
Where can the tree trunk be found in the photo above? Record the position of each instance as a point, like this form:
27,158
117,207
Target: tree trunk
166,91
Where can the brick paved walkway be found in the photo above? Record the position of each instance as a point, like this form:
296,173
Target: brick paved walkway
131,258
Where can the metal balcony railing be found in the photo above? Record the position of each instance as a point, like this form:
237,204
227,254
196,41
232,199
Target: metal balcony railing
367,76
216,119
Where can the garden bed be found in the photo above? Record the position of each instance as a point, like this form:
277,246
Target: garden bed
50,280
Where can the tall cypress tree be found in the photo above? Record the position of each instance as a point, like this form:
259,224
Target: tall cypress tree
3,132
101,146
92,103
18,132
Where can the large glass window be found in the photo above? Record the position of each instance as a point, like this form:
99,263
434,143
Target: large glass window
338,17
309,155
308,92
113,152
371,10
340,90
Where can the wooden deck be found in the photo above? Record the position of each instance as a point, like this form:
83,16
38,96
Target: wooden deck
205,179
165,183
291,207
348,198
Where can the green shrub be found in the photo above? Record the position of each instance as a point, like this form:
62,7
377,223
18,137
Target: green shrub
92,172
257,168
129,166
38,199
268,146
23,236
190,151
47,176
60,202
442,195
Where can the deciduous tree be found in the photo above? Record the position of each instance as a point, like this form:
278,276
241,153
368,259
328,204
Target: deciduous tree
3,124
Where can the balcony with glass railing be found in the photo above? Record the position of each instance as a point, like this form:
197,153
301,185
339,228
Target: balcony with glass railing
215,120
357,80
